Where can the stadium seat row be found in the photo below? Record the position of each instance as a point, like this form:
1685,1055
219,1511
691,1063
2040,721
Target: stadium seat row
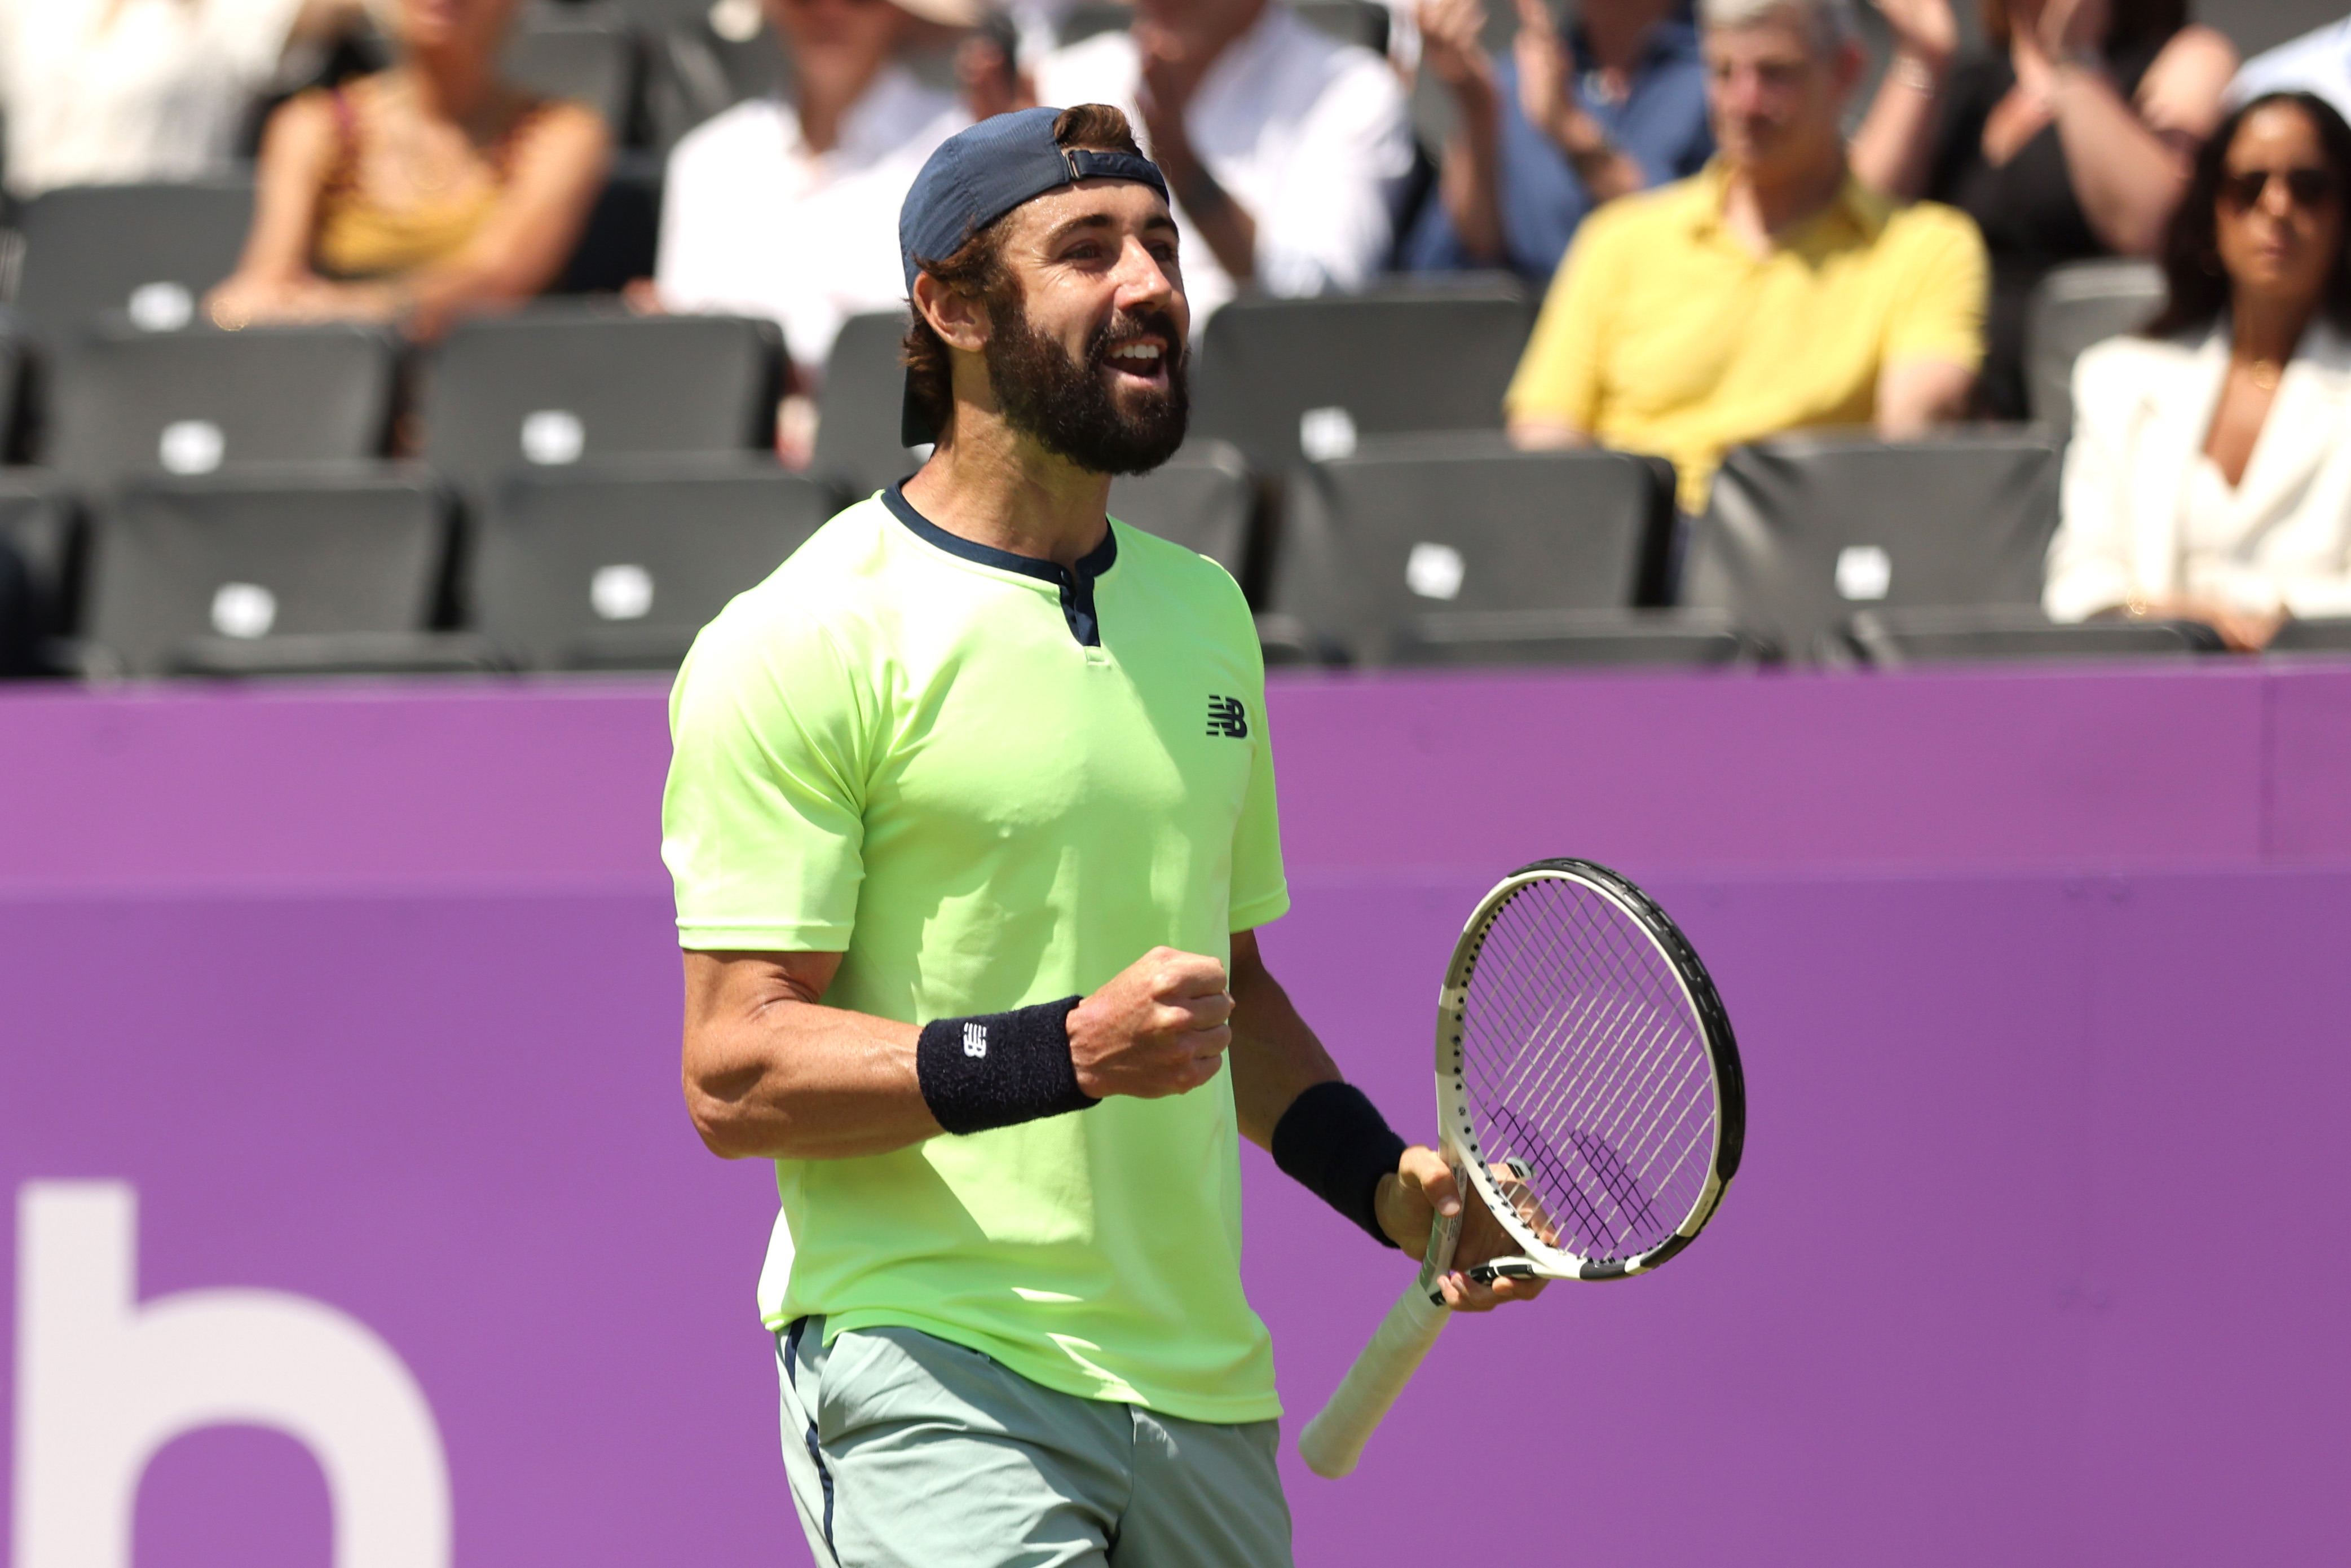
1427,549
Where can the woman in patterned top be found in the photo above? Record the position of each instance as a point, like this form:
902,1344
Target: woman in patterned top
420,193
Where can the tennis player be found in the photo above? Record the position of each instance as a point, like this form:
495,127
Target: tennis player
971,821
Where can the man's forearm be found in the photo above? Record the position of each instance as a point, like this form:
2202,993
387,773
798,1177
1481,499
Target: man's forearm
1471,179
1275,1056
795,1080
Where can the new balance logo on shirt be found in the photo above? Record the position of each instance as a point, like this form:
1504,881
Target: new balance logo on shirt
975,1039
1227,718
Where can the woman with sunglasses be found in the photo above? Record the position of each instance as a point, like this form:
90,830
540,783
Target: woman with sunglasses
2209,475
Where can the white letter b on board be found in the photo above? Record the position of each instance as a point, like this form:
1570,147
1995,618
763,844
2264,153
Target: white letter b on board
104,1381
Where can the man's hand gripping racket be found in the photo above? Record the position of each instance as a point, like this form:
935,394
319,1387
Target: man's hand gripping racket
1589,1096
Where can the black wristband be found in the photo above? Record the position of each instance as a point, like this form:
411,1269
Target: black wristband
1334,1141
996,1069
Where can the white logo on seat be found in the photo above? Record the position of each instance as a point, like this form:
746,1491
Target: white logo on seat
161,307
1434,572
1326,433
553,436
190,446
1863,571
623,593
975,1039
244,609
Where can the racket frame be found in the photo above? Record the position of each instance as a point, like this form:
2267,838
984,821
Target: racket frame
1541,1260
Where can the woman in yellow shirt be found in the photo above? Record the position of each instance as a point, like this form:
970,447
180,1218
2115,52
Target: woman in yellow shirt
420,193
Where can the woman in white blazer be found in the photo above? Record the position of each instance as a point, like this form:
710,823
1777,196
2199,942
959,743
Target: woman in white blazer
2209,474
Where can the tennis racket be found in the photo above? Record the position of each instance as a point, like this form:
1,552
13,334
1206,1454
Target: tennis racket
1588,1090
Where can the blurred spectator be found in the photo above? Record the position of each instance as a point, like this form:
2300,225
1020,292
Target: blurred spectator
786,207
1284,148
1771,291
2318,62
419,194
1568,122
2209,475
108,92
2071,139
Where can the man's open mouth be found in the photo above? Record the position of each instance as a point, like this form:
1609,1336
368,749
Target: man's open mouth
1142,358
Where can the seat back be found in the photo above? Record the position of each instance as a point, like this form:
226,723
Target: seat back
2075,306
2257,25
293,551
13,359
1418,525
586,51
857,445
704,57
150,250
190,402
38,519
1349,21
1290,379
1803,532
618,564
560,385
1203,499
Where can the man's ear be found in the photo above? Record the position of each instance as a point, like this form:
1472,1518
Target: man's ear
960,319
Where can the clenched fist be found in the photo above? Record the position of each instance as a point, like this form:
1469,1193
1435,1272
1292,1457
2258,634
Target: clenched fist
1160,1028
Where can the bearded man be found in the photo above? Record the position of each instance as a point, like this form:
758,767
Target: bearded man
972,822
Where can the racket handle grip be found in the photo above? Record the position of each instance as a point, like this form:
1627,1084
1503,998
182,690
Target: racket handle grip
1335,1440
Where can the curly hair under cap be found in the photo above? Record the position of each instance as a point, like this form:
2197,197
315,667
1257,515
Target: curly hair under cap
2196,288
976,266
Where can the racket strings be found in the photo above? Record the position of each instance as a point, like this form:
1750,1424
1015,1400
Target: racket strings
1587,1074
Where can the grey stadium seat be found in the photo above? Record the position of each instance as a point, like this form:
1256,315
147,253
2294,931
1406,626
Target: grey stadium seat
857,445
2257,25
2075,306
1285,378
2320,634
1204,498
305,552
38,527
586,51
189,402
620,241
617,565
555,386
1892,639
12,359
703,57
1803,532
150,250
1446,550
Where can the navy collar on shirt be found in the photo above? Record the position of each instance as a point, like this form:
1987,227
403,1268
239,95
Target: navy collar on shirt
1077,584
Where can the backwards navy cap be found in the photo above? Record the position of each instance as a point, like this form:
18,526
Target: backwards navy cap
982,172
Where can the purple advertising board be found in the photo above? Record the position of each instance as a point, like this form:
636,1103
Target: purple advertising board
353,1216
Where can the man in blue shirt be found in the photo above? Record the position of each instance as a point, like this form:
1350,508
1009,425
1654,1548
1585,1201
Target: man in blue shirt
1567,122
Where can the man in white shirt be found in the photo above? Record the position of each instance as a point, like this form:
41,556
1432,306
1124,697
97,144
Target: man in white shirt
788,208
104,92
2318,62
1284,148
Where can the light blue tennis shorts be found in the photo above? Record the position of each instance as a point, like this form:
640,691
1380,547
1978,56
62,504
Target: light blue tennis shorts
906,1451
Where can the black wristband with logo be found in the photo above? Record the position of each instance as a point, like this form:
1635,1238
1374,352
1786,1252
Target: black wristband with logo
1334,1141
998,1070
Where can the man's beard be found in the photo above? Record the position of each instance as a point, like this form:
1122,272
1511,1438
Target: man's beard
1067,406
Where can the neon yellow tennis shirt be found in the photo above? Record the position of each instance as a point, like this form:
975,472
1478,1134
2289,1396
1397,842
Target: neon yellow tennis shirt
989,782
